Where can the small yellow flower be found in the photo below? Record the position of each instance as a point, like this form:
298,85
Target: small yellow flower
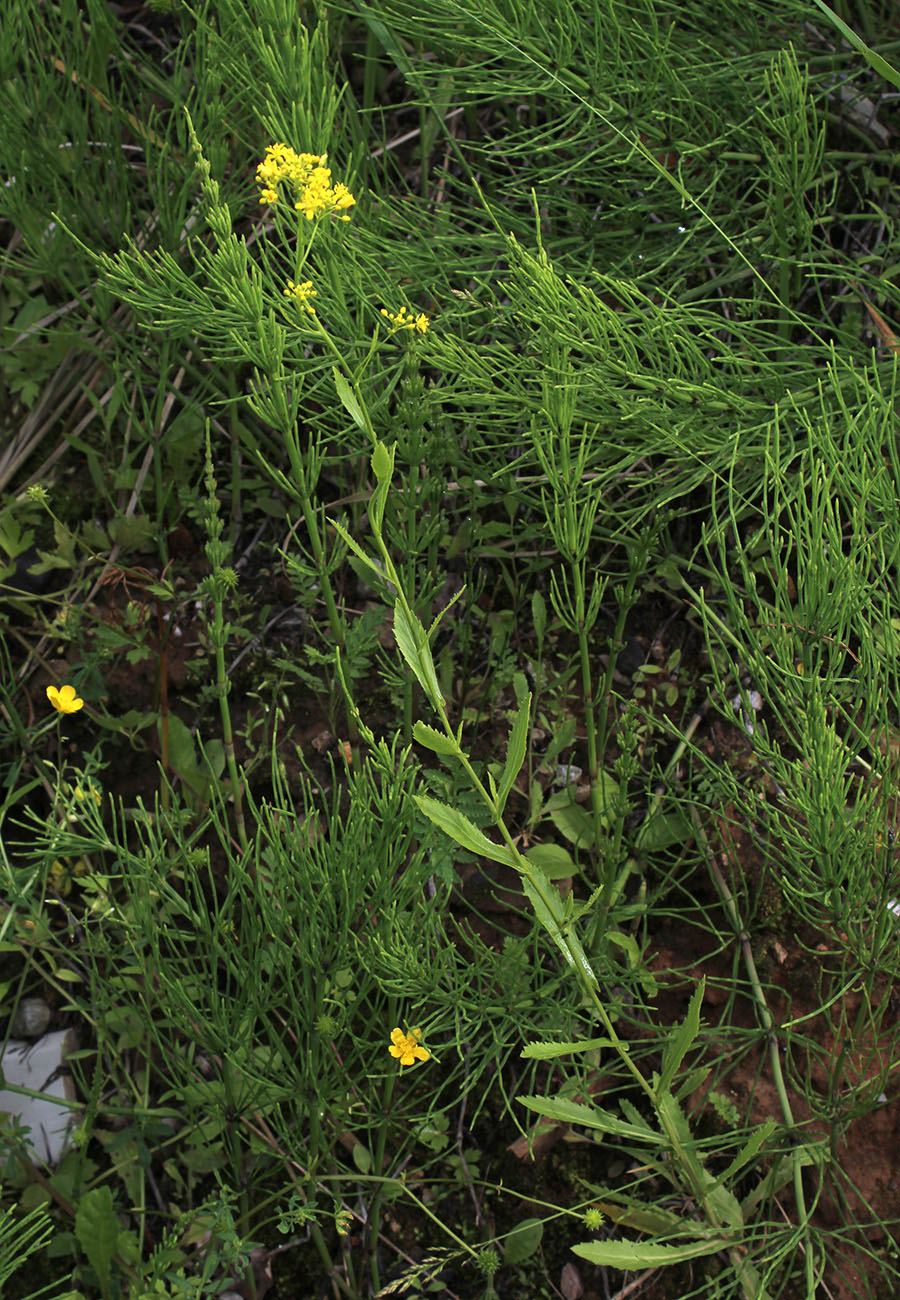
407,1048
302,294
404,319
309,179
64,700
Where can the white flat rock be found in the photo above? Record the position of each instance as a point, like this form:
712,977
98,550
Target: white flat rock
40,1066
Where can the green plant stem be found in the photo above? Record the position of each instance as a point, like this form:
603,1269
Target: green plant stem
236,505
218,583
305,470
587,697
162,634
225,713
378,1164
768,1025
409,686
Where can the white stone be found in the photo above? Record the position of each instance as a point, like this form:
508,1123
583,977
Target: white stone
40,1067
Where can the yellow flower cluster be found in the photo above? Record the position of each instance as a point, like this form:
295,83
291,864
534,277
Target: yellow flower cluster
301,293
306,175
405,320
407,1048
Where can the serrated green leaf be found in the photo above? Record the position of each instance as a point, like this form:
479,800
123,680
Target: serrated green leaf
548,908
434,740
549,911
515,750
547,1051
680,1039
726,1205
455,824
628,944
523,1241
356,548
644,1254
413,645
97,1228
779,1176
669,1109
652,1219
182,753
691,1082
662,830
751,1147
564,1111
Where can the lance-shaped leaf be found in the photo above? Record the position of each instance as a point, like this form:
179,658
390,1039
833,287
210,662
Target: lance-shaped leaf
356,548
552,859
548,908
515,751
680,1039
97,1228
453,823
413,645
564,1111
348,398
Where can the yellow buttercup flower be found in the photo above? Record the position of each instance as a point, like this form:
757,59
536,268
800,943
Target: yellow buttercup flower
407,1048
64,700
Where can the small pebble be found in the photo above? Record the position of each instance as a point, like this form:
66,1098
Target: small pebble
31,1019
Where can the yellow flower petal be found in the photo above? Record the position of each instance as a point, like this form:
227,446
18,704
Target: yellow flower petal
64,700
407,1048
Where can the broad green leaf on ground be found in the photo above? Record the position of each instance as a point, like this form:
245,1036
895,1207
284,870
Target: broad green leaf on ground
552,859
523,1240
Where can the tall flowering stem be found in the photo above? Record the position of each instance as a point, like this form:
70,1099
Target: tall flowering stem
221,580
414,643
